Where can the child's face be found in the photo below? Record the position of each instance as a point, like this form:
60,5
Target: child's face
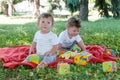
45,24
73,31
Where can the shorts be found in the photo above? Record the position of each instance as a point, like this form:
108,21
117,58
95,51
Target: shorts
49,59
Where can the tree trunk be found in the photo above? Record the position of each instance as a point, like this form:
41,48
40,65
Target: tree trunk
115,8
36,11
10,7
4,8
84,10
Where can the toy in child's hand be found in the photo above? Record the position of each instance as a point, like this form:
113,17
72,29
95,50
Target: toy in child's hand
68,54
110,51
35,58
60,52
75,48
109,66
82,58
63,68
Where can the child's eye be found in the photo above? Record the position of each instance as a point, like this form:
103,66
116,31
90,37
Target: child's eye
74,31
48,22
43,21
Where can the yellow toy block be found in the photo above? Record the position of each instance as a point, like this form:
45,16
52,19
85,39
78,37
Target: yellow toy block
82,58
85,55
78,60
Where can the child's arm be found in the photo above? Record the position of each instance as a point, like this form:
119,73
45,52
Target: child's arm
59,46
33,46
81,45
53,50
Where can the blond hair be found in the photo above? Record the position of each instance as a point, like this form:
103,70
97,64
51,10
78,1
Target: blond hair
74,22
45,15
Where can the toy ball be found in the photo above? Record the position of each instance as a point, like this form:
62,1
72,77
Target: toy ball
110,51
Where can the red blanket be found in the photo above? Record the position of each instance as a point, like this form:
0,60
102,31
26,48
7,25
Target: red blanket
13,56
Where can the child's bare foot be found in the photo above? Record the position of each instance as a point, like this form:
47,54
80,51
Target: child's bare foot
43,64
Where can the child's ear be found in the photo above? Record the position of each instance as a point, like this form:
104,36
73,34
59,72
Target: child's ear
67,26
38,23
52,24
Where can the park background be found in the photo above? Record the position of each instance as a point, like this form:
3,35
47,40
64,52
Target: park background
100,26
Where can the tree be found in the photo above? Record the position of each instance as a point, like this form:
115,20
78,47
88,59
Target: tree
4,7
8,6
54,5
84,10
115,8
102,6
36,11
72,5
78,5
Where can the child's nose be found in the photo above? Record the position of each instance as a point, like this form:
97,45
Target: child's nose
45,24
76,33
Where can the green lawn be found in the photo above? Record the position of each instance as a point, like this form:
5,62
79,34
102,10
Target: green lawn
102,32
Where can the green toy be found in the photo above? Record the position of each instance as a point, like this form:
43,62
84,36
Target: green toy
35,58
109,66
75,48
68,54
63,68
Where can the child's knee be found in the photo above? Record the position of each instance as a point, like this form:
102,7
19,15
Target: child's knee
49,59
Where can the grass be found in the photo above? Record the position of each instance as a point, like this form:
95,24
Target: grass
102,32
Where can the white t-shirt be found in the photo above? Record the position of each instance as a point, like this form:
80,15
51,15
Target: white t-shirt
66,41
45,42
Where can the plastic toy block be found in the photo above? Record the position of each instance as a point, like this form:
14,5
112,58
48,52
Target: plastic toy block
110,52
82,58
75,48
60,52
68,54
78,60
63,68
85,55
109,66
35,58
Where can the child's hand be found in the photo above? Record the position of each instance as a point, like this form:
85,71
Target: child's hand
47,54
30,52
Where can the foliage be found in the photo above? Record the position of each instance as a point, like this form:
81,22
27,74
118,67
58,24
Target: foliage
54,5
115,8
17,1
104,6
14,1
73,5
102,32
